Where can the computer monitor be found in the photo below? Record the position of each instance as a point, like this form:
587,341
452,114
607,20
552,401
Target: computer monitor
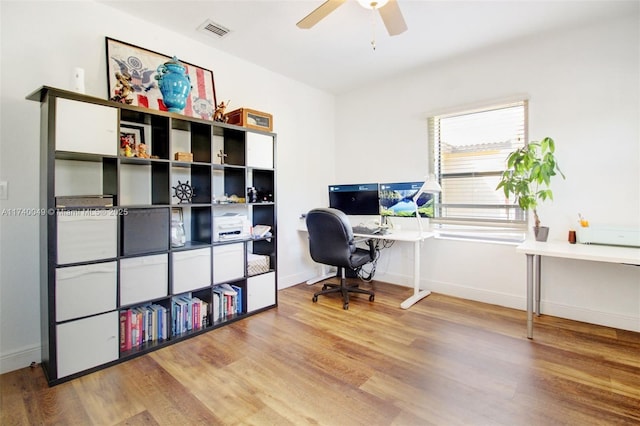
355,199
396,200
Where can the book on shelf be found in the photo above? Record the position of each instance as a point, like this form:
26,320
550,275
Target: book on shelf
204,314
238,298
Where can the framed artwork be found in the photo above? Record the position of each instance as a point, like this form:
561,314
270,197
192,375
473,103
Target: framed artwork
135,140
131,72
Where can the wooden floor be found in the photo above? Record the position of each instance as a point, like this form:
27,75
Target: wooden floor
445,361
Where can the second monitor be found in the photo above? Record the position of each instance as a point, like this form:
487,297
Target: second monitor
396,199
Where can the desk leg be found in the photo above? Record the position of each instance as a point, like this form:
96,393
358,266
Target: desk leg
417,294
324,275
538,263
530,296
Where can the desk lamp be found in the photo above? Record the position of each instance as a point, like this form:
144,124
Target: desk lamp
430,186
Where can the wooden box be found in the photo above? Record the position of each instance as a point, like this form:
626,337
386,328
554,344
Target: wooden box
183,156
251,119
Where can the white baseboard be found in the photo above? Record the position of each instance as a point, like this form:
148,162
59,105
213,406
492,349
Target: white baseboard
20,359
291,280
576,313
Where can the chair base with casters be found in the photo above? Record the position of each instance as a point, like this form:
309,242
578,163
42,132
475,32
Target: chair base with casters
343,288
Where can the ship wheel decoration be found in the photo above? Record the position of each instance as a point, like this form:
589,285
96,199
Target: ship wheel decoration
183,192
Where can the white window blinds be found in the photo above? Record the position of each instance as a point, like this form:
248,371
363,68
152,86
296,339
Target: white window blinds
470,150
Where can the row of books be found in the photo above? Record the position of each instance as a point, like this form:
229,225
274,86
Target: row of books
141,325
227,301
188,313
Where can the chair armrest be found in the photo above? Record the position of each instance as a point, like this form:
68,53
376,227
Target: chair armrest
371,242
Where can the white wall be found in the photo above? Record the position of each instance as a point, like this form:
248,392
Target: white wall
583,87
41,44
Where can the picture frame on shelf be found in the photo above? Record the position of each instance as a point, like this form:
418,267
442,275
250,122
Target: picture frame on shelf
130,139
136,67
133,135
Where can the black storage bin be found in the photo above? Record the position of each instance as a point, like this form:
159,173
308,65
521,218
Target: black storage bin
145,231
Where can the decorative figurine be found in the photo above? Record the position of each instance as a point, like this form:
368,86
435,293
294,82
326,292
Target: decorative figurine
183,192
218,114
142,151
127,151
174,84
123,89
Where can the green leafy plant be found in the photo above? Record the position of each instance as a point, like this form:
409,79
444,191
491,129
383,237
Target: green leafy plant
528,175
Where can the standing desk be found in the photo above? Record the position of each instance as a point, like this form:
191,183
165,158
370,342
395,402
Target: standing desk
534,250
409,236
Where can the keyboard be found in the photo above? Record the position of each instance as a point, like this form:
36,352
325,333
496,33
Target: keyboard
359,229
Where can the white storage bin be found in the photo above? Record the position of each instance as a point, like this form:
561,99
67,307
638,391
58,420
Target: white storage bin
85,127
87,343
86,235
85,290
259,150
191,269
143,278
228,262
261,291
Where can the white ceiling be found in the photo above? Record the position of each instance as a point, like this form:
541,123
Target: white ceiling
336,55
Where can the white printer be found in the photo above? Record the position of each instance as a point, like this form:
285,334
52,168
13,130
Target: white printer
231,227
608,235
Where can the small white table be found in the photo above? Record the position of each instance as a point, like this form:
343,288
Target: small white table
534,250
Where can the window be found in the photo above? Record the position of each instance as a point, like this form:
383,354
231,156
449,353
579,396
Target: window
470,150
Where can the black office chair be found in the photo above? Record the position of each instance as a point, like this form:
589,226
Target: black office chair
331,242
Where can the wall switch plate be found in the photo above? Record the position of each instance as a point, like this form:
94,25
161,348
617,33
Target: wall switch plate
4,190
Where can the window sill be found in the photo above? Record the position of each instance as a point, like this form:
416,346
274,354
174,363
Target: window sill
485,238
493,235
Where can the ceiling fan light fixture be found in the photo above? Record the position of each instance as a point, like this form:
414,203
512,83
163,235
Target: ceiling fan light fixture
372,4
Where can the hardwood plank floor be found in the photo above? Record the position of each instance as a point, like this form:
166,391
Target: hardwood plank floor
445,361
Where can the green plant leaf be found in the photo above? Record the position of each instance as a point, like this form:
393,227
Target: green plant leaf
529,172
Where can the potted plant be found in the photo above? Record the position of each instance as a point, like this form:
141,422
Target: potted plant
528,177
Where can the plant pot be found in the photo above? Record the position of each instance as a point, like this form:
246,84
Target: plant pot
541,233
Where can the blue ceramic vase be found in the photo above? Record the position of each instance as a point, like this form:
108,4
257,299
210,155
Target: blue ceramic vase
174,84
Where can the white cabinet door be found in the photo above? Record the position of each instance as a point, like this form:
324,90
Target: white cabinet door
191,270
261,291
259,150
86,235
228,262
87,343
85,290
87,128
143,278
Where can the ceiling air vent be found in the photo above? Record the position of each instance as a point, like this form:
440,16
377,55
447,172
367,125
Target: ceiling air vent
213,29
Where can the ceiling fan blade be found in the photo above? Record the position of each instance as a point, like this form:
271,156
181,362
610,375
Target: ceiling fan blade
319,13
392,18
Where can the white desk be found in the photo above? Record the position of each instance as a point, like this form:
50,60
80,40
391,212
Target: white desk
409,236
534,251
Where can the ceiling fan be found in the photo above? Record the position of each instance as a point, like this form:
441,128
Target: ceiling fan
389,11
